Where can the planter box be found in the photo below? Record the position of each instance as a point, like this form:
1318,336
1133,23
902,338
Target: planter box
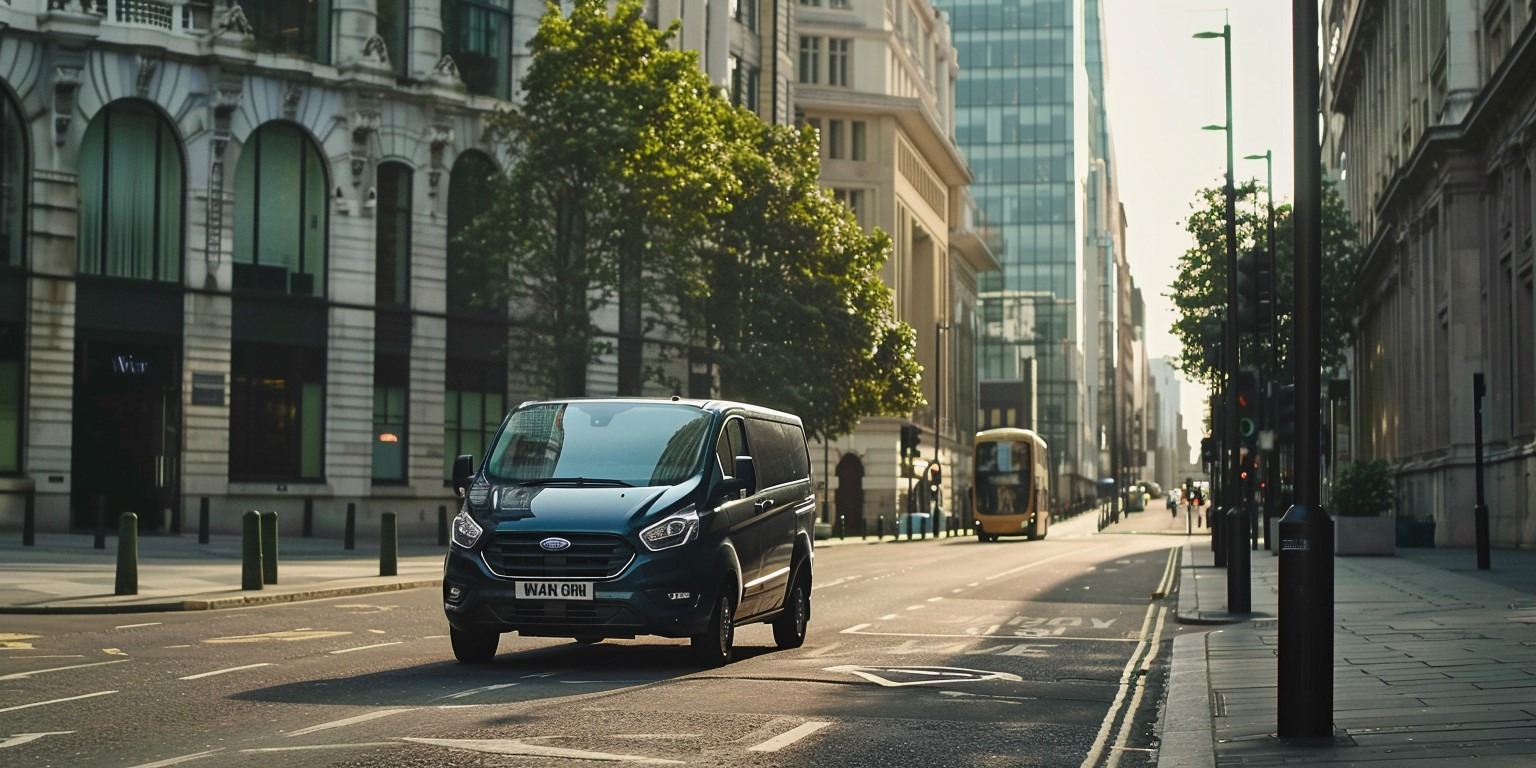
1365,535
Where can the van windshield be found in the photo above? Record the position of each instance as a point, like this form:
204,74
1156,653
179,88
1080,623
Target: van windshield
614,442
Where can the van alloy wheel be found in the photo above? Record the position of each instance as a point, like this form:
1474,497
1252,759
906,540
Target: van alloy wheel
713,647
789,629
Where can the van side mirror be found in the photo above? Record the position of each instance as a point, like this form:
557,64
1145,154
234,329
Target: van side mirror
745,477
463,470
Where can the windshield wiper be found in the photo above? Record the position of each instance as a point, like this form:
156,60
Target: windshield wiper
576,481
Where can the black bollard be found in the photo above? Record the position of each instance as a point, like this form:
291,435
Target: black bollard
1239,576
309,517
250,550
442,525
29,519
389,545
879,527
1304,704
202,520
127,555
349,538
842,528
101,521
269,547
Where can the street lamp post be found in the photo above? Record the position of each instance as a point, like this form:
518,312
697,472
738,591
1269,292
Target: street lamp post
1271,464
1230,486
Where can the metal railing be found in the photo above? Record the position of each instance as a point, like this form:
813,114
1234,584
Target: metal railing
179,16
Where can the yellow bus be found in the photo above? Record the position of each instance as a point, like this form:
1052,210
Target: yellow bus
1010,484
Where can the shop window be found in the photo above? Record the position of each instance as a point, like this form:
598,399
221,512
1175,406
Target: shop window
392,236
477,34
473,410
391,377
281,183
276,413
131,195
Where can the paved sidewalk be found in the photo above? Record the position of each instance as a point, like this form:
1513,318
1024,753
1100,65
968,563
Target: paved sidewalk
1434,664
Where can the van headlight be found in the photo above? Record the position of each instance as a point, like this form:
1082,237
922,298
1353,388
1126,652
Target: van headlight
465,530
676,530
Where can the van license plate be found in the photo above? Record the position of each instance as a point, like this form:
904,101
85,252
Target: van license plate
554,590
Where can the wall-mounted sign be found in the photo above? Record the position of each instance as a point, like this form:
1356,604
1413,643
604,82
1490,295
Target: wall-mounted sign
126,364
207,388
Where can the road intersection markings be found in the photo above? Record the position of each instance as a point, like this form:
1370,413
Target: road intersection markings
23,675
23,738
13,642
286,635
897,677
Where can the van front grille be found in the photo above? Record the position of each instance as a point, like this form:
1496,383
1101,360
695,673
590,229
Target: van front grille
517,555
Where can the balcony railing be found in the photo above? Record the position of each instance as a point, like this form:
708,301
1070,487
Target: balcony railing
180,16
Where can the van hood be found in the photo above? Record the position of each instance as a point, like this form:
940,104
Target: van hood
577,508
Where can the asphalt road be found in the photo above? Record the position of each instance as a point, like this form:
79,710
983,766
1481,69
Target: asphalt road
936,653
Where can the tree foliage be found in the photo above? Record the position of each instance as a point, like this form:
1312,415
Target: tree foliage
1200,289
635,185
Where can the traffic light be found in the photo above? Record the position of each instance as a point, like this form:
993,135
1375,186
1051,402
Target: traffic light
1247,389
1210,450
1247,292
1264,291
910,437
935,477
1285,414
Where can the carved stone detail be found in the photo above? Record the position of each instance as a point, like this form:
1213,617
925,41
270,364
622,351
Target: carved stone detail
377,50
66,82
364,124
236,22
147,68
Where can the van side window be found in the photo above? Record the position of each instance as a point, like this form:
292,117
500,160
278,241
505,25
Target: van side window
780,452
730,445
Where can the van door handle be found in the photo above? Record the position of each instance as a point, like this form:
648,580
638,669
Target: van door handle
765,505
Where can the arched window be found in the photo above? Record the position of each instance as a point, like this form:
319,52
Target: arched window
13,230
131,181
469,195
280,213
392,241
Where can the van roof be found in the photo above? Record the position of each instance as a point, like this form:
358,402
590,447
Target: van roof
714,406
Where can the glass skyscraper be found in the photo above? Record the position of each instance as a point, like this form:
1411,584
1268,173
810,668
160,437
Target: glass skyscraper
1030,117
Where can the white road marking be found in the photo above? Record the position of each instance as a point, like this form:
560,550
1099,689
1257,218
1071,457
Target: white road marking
887,617
113,652
515,747
916,607
366,647
58,701
23,738
358,745
1038,563
934,599
789,737
178,760
932,675
835,582
223,671
348,721
24,675
851,630
1128,678
822,651
136,626
473,691
859,630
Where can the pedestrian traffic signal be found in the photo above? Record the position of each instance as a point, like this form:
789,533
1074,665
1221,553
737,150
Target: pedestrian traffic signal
935,477
1264,291
1247,292
1285,414
910,437
1209,450
1247,393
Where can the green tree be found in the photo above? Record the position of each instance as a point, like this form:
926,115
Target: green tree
614,168
790,305
1199,292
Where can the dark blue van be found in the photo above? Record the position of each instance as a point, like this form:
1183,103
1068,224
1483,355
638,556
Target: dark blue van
613,518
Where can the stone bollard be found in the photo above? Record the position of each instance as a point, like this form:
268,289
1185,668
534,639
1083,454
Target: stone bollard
389,545
250,550
269,547
349,537
127,555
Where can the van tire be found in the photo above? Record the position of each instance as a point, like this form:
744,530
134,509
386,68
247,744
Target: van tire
712,648
790,627
474,646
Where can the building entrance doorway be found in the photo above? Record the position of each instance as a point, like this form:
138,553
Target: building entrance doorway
127,432
850,494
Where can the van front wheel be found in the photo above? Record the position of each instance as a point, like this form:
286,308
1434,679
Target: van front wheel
713,647
474,646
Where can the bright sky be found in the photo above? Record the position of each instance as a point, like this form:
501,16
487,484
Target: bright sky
1163,85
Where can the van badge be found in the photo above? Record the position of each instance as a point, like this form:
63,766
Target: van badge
555,544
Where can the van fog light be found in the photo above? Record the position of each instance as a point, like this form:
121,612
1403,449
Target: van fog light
454,594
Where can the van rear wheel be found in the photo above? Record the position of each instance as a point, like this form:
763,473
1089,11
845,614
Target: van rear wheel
713,647
474,646
789,629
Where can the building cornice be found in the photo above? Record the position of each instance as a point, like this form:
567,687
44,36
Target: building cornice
918,120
